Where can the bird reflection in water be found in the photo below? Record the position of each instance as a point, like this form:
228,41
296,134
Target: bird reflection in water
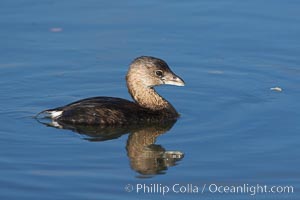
146,157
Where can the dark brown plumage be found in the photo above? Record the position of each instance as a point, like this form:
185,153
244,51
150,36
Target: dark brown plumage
144,73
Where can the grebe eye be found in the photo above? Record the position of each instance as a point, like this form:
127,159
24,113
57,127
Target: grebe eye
159,73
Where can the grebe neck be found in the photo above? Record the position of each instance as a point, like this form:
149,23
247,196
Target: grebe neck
148,98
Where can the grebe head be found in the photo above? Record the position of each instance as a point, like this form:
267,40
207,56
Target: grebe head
149,72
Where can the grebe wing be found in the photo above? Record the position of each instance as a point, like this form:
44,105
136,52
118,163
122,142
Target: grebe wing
100,110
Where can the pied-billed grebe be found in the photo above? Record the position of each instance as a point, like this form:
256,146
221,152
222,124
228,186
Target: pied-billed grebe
144,73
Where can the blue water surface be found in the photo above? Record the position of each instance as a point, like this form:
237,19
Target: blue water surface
234,130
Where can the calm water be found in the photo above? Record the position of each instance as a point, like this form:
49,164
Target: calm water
234,130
